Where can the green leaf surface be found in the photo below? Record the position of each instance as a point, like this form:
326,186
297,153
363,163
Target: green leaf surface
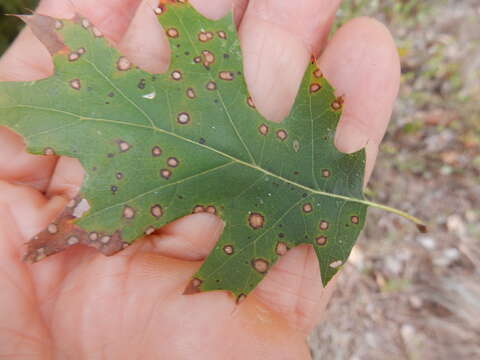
158,147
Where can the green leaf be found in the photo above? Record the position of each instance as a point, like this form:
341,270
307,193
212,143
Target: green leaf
158,147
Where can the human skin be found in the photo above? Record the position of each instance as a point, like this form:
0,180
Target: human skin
82,305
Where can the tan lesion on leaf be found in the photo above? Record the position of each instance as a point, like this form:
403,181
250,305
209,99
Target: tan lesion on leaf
315,87
172,33
48,151
326,173
228,249
165,173
75,84
191,93
256,220
281,248
226,75
260,265
307,208
337,104
193,287
156,211
323,225
263,129
173,162
123,64
222,34
211,85
355,219
176,75
128,212
282,134
321,240
156,151
183,118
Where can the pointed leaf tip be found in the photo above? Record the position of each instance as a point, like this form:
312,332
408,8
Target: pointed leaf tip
44,28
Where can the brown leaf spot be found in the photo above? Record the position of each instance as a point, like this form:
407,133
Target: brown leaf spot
85,23
72,240
318,73
211,85
321,240
228,249
422,228
355,219
202,36
52,228
191,93
282,134
156,151
93,236
281,248
326,173
260,265
307,208
75,84
172,32
315,87
336,264
73,56
256,220
123,146
222,35
158,11
183,118
211,209
176,75
150,230
81,51
197,59
105,239
263,129
48,151
323,225
198,209
250,102
97,33
165,173
193,287
156,211
226,75
128,212
173,162
123,64
119,175
337,104
240,298
209,58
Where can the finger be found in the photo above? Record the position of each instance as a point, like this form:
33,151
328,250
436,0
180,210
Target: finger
190,238
278,37
362,64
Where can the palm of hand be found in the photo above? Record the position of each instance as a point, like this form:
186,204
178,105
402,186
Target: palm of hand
82,305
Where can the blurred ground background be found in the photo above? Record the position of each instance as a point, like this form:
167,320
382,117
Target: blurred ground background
406,295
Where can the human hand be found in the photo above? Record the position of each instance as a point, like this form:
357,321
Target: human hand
82,305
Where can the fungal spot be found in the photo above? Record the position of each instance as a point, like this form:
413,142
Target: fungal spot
422,228
240,298
75,84
81,51
156,151
72,240
123,64
105,239
172,32
48,151
226,75
85,23
173,162
211,85
228,249
114,189
318,73
93,236
97,33
250,102
282,134
197,59
321,240
176,75
263,129
315,87
337,104
58,25
82,207
128,212
355,219
336,264
202,141
260,265
296,145
150,230
165,173
123,146
193,287
52,229
323,225
198,209
156,211
256,220
281,248
211,209
307,208
183,118
110,155
222,35
74,56
326,173
158,11
191,93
